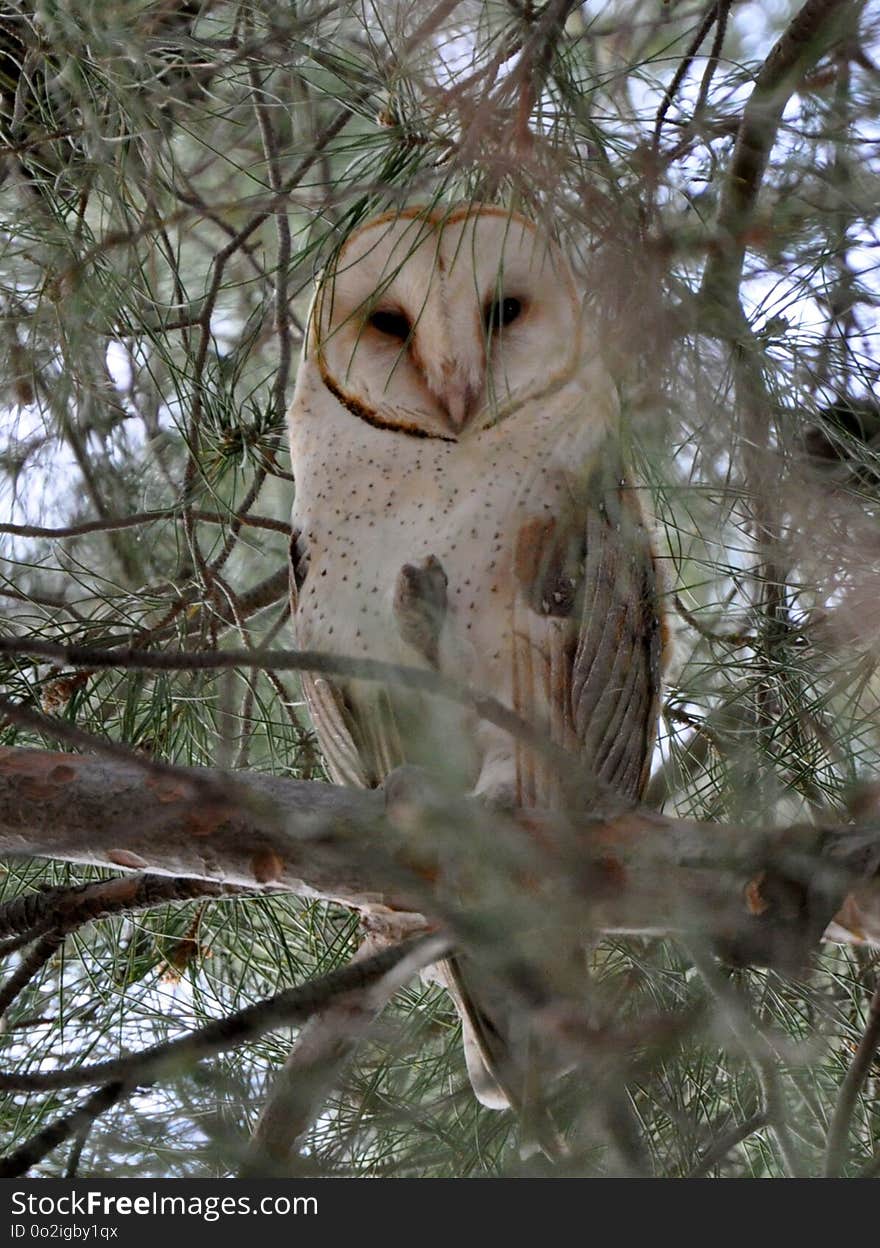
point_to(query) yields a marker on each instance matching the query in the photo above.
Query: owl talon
(420, 605)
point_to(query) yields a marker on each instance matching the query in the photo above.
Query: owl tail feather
(485, 1050)
(492, 1068)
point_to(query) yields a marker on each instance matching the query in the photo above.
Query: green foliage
(171, 178)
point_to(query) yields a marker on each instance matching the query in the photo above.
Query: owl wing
(586, 659)
(588, 636)
(360, 745)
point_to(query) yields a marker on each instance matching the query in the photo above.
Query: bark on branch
(762, 896)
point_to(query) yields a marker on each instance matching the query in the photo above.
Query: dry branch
(66, 908)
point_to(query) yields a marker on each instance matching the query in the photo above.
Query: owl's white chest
(369, 501)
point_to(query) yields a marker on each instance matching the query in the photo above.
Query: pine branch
(30, 1154)
(762, 896)
(836, 1149)
(807, 37)
(65, 909)
(136, 521)
(314, 1065)
(293, 1006)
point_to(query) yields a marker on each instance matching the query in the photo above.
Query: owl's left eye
(501, 312)
(391, 324)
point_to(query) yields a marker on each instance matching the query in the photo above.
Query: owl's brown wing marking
(359, 737)
(588, 637)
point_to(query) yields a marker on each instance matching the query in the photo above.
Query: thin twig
(735, 639)
(759, 1053)
(33, 962)
(799, 47)
(727, 1142)
(40, 1145)
(145, 517)
(423, 679)
(79, 1140)
(277, 202)
(281, 306)
(295, 1005)
(836, 1149)
(721, 15)
(706, 24)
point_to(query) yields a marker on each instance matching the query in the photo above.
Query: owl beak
(460, 402)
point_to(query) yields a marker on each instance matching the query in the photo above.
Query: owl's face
(439, 325)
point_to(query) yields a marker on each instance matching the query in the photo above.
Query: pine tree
(172, 177)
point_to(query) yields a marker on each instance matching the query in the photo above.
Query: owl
(461, 506)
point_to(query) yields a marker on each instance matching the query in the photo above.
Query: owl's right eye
(391, 324)
(501, 313)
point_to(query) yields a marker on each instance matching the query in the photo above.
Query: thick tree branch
(762, 896)
(315, 661)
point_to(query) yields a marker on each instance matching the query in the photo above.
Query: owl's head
(443, 323)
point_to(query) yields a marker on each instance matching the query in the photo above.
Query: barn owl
(460, 505)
